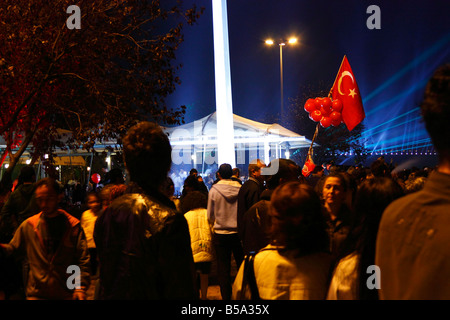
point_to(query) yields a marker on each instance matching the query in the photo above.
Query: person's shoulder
(404, 202)
(195, 214)
(31, 222)
(138, 204)
(349, 262)
(399, 209)
(157, 208)
(262, 204)
(228, 182)
(123, 207)
(87, 214)
(129, 201)
(268, 251)
(70, 218)
(250, 183)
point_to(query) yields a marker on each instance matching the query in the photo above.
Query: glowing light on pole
(281, 45)
(224, 106)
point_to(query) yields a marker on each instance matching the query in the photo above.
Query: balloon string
(310, 151)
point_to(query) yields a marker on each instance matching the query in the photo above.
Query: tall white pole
(224, 106)
(281, 79)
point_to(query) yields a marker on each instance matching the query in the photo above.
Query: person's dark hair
(379, 168)
(115, 176)
(302, 179)
(225, 171)
(350, 184)
(168, 183)
(297, 220)
(372, 197)
(117, 190)
(27, 174)
(147, 154)
(49, 183)
(435, 109)
(317, 169)
(236, 172)
(193, 200)
(192, 183)
(287, 169)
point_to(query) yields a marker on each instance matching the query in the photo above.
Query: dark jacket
(256, 225)
(20, 205)
(338, 230)
(249, 194)
(144, 249)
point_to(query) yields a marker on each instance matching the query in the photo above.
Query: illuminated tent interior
(196, 142)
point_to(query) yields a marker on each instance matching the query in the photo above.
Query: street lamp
(281, 44)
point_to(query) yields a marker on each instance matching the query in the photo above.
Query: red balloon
(325, 110)
(337, 105)
(316, 115)
(325, 122)
(327, 103)
(336, 116)
(335, 123)
(96, 178)
(318, 102)
(310, 106)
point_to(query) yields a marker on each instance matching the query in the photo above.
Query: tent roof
(204, 131)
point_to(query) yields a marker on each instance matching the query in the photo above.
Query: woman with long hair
(349, 279)
(333, 192)
(295, 265)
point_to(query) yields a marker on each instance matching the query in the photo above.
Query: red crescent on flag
(345, 73)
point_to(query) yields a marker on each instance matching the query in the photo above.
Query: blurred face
(47, 200)
(94, 203)
(333, 191)
(257, 173)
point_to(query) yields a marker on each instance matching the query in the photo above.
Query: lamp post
(281, 44)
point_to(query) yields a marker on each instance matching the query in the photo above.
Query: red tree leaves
(96, 81)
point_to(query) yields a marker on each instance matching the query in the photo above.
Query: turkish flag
(346, 89)
(308, 167)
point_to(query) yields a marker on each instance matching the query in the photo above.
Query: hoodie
(222, 206)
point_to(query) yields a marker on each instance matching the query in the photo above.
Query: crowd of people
(340, 233)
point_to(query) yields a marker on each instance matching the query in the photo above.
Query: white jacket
(200, 233)
(344, 282)
(287, 277)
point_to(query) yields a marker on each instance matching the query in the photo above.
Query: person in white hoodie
(222, 215)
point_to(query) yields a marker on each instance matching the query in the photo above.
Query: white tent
(197, 141)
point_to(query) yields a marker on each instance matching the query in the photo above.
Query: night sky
(391, 64)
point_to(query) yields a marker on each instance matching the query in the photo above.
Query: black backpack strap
(249, 277)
